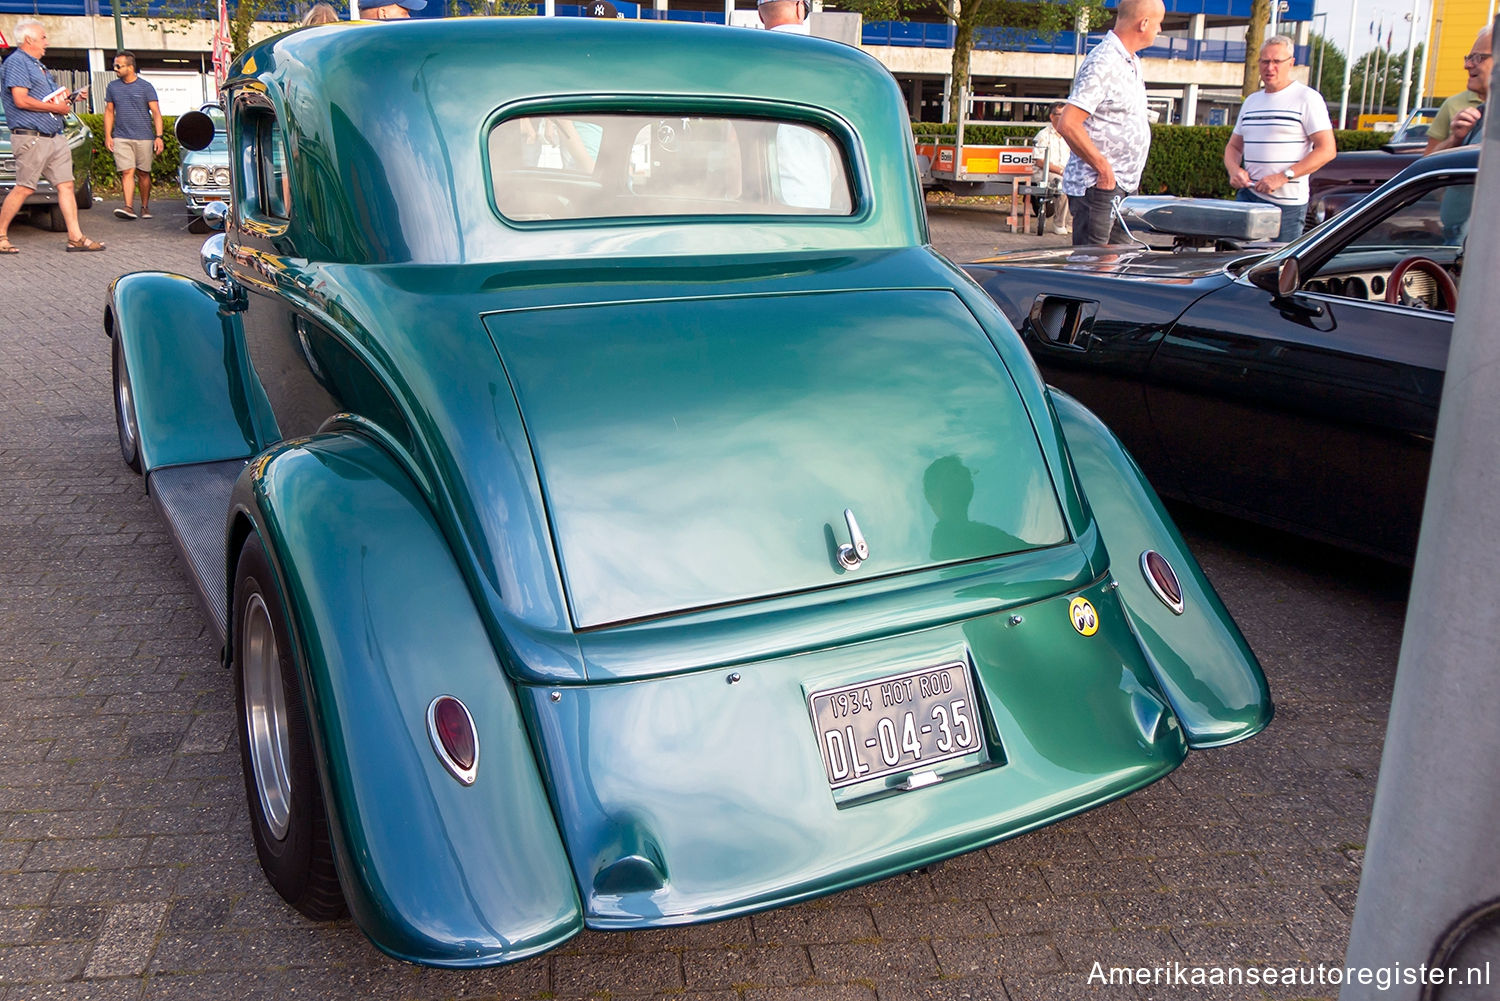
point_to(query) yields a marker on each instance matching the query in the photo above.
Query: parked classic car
(203, 174)
(616, 514)
(1297, 388)
(43, 201)
(1350, 176)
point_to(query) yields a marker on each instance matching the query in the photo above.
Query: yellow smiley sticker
(1085, 619)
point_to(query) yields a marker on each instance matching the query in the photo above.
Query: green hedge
(1185, 160)
(103, 173)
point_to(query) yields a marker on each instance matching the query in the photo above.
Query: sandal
(5, 247)
(84, 244)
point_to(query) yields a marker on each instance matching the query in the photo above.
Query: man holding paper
(34, 110)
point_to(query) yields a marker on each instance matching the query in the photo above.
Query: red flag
(221, 46)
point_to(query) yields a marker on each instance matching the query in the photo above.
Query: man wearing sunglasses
(1456, 118)
(1283, 134)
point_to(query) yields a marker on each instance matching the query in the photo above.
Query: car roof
(404, 109)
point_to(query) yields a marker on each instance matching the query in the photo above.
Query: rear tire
(83, 193)
(126, 424)
(55, 221)
(287, 816)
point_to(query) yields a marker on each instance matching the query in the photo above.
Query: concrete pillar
(947, 111)
(96, 75)
(1190, 105)
(661, 9)
(728, 12)
(1303, 36)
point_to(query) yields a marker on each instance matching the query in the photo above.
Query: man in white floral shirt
(1106, 123)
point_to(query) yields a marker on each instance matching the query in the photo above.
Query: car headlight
(221, 177)
(197, 176)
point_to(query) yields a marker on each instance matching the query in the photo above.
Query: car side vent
(1061, 321)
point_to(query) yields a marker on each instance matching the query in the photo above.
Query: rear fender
(1204, 665)
(182, 353)
(434, 872)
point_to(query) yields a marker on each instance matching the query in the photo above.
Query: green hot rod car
(616, 513)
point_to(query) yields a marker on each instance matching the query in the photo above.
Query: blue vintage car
(203, 174)
(615, 513)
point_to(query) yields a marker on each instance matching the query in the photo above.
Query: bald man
(1106, 125)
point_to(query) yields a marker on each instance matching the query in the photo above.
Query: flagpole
(1348, 65)
(1411, 48)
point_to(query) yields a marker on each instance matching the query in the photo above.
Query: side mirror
(194, 130)
(1281, 278)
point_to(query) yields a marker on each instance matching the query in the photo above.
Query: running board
(194, 502)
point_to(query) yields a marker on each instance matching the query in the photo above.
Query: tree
(1326, 68)
(1255, 36)
(1046, 17)
(1383, 69)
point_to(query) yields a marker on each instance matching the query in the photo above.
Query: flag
(221, 46)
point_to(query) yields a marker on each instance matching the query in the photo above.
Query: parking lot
(127, 869)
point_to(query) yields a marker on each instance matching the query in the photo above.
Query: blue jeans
(1292, 216)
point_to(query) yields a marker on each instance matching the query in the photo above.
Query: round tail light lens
(1163, 580)
(454, 738)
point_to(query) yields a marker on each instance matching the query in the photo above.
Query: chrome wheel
(265, 716)
(125, 419)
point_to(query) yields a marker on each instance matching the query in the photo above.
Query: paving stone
(950, 919)
(1024, 917)
(814, 922)
(1064, 987)
(627, 973)
(757, 967)
(129, 937)
(976, 989)
(874, 962)
(996, 956)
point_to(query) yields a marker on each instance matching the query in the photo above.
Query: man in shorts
(132, 132)
(34, 110)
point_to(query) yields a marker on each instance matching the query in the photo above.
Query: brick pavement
(127, 871)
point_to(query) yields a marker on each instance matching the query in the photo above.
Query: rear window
(610, 166)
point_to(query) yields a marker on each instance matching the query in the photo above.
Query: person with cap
(789, 16)
(388, 10)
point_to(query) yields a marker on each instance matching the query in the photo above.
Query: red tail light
(454, 738)
(1163, 580)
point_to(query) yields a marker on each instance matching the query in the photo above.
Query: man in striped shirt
(1283, 134)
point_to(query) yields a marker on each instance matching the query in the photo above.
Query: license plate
(894, 724)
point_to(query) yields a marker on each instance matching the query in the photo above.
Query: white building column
(728, 12)
(1190, 105)
(947, 111)
(661, 9)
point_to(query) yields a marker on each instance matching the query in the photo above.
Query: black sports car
(1297, 387)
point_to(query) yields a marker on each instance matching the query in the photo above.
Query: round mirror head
(195, 130)
(211, 255)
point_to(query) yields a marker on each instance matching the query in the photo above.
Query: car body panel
(642, 531)
(174, 334)
(1198, 655)
(1092, 726)
(435, 871)
(480, 403)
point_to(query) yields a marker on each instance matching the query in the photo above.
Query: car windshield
(605, 166)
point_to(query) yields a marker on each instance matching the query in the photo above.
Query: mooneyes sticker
(1085, 619)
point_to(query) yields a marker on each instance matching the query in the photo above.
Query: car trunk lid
(700, 452)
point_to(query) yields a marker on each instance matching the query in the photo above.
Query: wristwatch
(1290, 174)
